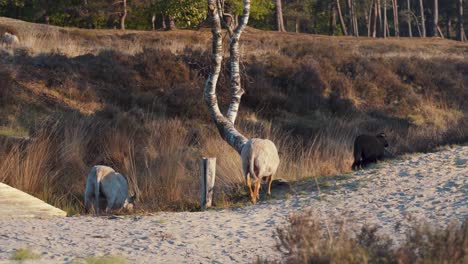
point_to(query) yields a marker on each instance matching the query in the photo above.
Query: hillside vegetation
(133, 100)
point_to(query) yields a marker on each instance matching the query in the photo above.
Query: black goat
(367, 149)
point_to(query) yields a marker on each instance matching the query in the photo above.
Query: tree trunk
(225, 126)
(349, 4)
(376, 15)
(423, 19)
(153, 22)
(169, 23)
(410, 30)
(460, 29)
(388, 30)
(440, 33)
(369, 19)
(381, 24)
(449, 26)
(435, 19)
(124, 15)
(396, 23)
(352, 18)
(342, 22)
(332, 24)
(279, 16)
(298, 25)
(385, 18)
(368, 24)
(355, 20)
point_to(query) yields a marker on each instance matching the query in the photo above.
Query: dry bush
(306, 240)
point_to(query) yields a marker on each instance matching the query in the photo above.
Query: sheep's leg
(88, 200)
(110, 205)
(111, 201)
(270, 180)
(257, 189)
(249, 184)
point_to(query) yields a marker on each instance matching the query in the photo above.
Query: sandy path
(431, 187)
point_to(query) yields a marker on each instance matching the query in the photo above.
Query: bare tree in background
(342, 22)
(460, 30)
(385, 19)
(279, 16)
(376, 16)
(369, 18)
(169, 23)
(396, 23)
(435, 19)
(381, 24)
(355, 20)
(225, 124)
(124, 15)
(423, 19)
(408, 17)
(332, 23)
(352, 18)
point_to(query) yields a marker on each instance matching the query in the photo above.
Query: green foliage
(259, 9)
(308, 16)
(187, 13)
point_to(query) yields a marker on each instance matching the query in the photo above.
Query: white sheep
(104, 182)
(260, 161)
(9, 39)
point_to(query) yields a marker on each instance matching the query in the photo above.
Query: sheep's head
(129, 203)
(382, 139)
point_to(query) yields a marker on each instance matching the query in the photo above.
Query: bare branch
(236, 89)
(220, 4)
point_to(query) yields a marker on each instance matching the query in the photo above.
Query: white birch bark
(423, 19)
(236, 89)
(225, 127)
(124, 15)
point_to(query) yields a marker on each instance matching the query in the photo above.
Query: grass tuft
(24, 254)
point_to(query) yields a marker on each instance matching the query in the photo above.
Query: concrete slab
(17, 204)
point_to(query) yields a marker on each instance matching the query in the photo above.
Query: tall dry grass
(160, 157)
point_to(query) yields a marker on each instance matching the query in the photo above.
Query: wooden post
(208, 174)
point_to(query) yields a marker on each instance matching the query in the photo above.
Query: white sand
(430, 187)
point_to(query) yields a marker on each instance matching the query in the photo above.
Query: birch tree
(460, 31)
(423, 19)
(354, 19)
(385, 19)
(408, 17)
(396, 24)
(342, 22)
(225, 124)
(332, 22)
(435, 19)
(124, 14)
(279, 16)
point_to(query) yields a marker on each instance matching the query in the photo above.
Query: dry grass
(24, 254)
(132, 100)
(306, 240)
(159, 156)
